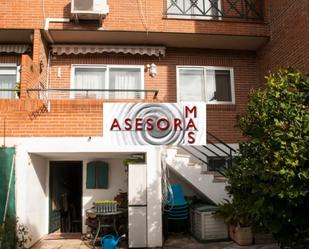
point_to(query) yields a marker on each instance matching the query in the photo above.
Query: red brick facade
(84, 118)
(289, 43)
(124, 15)
(27, 116)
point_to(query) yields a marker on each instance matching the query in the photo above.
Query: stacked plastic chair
(177, 210)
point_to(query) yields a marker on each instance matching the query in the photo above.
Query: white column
(154, 198)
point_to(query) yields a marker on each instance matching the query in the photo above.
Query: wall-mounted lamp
(152, 68)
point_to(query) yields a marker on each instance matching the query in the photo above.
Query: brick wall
(84, 117)
(10, 58)
(29, 76)
(289, 43)
(67, 118)
(28, 117)
(128, 15)
(288, 22)
(40, 57)
(165, 81)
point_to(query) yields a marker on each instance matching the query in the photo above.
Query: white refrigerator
(137, 205)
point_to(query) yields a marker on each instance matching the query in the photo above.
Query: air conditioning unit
(89, 9)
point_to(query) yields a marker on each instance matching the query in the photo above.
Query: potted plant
(238, 222)
(136, 158)
(262, 236)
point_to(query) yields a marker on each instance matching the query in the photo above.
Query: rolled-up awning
(14, 48)
(93, 49)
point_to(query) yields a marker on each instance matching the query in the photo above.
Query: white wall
(154, 198)
(187, 189)
(117, 180)
(31, 193)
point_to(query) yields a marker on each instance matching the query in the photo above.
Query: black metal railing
(64, 93)
(218, 149)
(11, 93)
(248, 10)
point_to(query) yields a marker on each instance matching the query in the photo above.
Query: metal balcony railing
(218, 149)
(9, 93)
(246, 10)
(64, 93)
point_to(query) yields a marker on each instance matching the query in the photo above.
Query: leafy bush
(271, 174)
(233, 214)
(22, 235)
(8, 235)
(14, 234)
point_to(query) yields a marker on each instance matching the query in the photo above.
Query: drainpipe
(55, 20)
(48, 68)
(47, 80)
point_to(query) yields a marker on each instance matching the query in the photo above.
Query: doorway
(65, 196)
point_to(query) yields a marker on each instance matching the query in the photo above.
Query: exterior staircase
(203, 167)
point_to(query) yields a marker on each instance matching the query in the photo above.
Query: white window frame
(17, 72)
(205, 68)
(107, 67)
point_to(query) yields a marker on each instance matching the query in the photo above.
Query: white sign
(155, 123)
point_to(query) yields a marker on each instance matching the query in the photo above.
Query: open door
(65, 192)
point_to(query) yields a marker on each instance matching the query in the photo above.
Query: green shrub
(233, 214)
(8, 235)
(14, 234)
(271, 174)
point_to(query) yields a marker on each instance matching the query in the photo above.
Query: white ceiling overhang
(14, 48)
(154, 39)
(94, 49)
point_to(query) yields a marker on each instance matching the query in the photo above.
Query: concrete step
(206, 172)
(219, 179)
(196, 174)
(182, 155)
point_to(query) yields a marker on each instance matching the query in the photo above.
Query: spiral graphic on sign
(161, 116)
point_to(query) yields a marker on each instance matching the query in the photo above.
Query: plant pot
(242, 235)
(231, 231)
(263, 238)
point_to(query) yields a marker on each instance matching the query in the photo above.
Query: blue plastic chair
(178, 196)
(182, 207)
(172, 215)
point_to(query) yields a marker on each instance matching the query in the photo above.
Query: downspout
(48, 68)
(55, 20)
(47, 81)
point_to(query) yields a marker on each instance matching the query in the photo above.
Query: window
(217, 164)
(89, 78)
(110, 77)
(191, 84)
(8, 79)
(214, 85)
(97, 175)
(125, 78)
